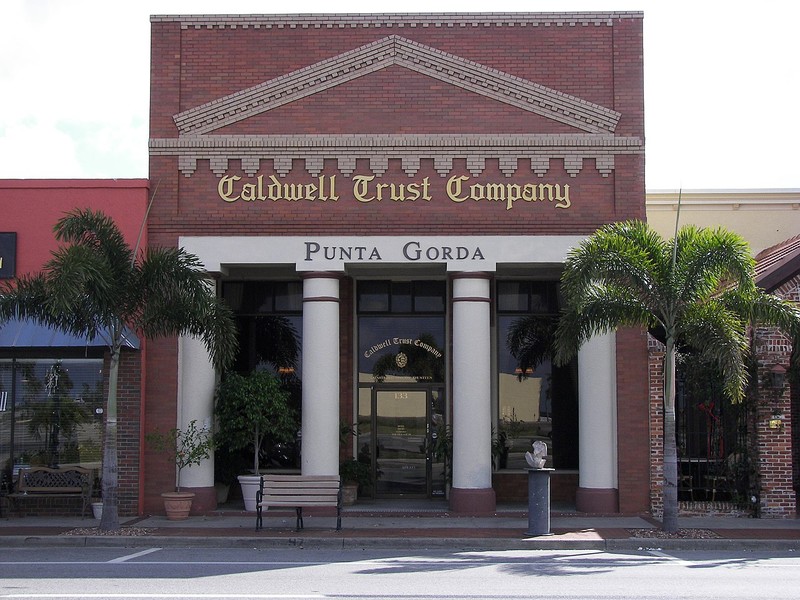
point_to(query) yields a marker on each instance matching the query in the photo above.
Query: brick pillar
(656, 403)
(773, 427)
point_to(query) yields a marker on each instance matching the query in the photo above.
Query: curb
(411, 543)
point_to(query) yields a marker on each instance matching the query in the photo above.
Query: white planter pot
(97, 510)
(250, 485)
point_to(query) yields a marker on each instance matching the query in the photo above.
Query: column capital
(472, 275)
(321, 275)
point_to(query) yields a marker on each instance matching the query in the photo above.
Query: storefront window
(536, 401)
(270, 325)
(51, 412)
(405, 342)
(269, 321)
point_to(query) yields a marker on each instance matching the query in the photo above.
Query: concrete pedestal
(539, 501)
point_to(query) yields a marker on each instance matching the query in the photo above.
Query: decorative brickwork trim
(399, 21)
(512, 151)
(396, 50)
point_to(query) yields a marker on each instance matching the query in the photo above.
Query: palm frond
(627, 255)
(602, 310)
(719, 334)
(708, 259)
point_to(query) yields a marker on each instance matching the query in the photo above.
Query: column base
(597, 500)
(205, 499)
(473, 501)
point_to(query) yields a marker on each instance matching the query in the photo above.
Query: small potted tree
(186, 447)
(251, 409)
(355, 473)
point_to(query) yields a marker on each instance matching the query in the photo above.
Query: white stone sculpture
(539, 456)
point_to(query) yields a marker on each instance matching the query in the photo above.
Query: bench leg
(299, 511)
(259, 521)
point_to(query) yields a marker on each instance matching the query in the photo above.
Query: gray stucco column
(320, 429)
(472, 490)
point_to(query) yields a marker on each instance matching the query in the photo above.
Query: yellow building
(764, 217)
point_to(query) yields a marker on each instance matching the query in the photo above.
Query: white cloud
(720, 84)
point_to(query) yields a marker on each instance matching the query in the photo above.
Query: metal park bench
(298, 491)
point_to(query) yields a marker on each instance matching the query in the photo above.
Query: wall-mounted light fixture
(776, 421)
(777, 376)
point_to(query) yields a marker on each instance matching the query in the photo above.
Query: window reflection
(51, 412)
(536, 400)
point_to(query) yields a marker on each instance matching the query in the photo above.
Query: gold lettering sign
(368, 189)
(364, 190)
(323, 190)
(458, 190)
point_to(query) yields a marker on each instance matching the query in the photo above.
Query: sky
(721, 83)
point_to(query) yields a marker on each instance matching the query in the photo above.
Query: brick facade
(501, 99)
(32, 208)
(770, 423)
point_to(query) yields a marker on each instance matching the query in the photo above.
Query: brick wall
(395, 122)
(656, 412)
(773, 443)
(129, 430)
(771, 446)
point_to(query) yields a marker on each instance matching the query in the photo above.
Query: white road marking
(122, 559)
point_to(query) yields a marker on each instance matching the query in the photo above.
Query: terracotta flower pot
(349, 493)
(177, 505)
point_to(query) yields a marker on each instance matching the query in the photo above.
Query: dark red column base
(473, 501)
(597, 500)
(205, 499)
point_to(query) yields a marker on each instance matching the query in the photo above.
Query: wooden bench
(54, 483)
(298, 491)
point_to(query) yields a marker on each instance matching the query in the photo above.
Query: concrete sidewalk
(396, 526)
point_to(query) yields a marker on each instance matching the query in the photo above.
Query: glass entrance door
(405, 424)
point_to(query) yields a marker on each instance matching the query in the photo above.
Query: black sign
(8, 255)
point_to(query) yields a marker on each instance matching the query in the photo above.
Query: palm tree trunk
(110, 518)
(670, 518)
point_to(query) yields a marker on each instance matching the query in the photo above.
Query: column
(472, 424)
(196, 384)
(320, 429)
(597, 392)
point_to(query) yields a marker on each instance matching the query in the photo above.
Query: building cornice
(722, 199)
(512, 151)
(397, 20)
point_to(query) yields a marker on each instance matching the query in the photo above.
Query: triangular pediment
(395, 50)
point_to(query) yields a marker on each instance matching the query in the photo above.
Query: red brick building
(32, 355)
(402, 189)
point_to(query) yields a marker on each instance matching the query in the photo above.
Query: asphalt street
(117, 573)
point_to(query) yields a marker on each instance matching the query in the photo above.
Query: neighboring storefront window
(536, 401)
(51, 412)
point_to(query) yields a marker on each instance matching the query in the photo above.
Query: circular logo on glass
(401, 360)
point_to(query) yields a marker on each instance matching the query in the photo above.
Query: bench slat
(309, 489)
(299, 500)
(300, 478)
(50, 490)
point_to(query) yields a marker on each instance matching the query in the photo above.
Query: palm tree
(698, 289)
(96, 285)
